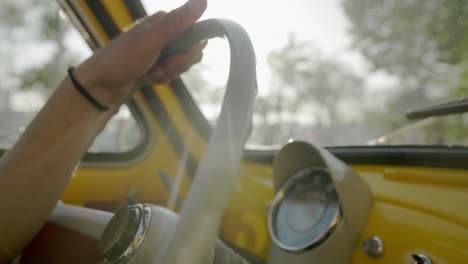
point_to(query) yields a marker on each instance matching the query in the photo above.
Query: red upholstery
(55, 244)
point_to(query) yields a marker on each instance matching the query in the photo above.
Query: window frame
(107, 158)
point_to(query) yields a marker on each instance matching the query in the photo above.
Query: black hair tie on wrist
(85, 93)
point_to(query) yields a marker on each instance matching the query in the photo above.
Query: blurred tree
(203, 91)
(413, 39)
(422, 42)
(35, 51)
(309, 89)
(306, 91)
(208, 96)
(26, 24)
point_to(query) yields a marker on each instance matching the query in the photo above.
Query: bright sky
(269, 23)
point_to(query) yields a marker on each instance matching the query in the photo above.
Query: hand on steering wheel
(112, 73)
(193, 238)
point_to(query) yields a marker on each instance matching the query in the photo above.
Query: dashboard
(320, 207)
(305, 211)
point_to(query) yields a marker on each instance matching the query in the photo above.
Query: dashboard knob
(124, 234)
(373, 247)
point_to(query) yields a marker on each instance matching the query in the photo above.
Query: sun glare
(269, 23)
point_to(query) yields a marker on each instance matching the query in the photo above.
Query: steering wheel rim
(197, 227)
(201, 214)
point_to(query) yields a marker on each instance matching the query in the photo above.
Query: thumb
(180, 19)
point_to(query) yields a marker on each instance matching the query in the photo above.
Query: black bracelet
(85, 93)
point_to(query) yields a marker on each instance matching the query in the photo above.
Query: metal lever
(421, 259)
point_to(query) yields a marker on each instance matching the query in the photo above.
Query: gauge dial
(305, 210)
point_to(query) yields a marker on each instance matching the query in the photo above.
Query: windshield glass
(343, 72)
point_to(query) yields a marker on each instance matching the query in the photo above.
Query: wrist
(89, 81)
(84, 92)
(106, 93)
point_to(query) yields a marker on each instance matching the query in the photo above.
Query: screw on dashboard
(373, 247)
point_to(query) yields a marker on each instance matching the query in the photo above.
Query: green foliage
(303, 78)
(306, 89)
(410, 38)
(33, 23)
(451, 31)
(424, 43)
(393, 34)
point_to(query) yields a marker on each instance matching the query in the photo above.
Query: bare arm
(35, 172)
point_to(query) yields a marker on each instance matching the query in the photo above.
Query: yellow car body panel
(416, 209)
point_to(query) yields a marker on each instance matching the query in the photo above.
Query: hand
(112, 73)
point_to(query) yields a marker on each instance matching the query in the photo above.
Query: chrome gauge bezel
(333, 206)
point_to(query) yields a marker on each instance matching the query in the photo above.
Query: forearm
(34, 173)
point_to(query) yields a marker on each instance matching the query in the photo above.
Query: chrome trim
(67, 7)
(373, 247)
(281, 194)
(131, 237)
(421, 259)
(401, 132)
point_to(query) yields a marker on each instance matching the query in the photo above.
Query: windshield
(344, 72)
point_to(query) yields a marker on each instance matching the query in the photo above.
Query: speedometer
(305, 210)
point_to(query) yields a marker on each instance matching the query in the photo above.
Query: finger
(157, 75)
(161, 74)
(178, 59)
(185, 58)
(180, 19)
(174, 65)
(178, 69)
(153, 20)
(146, 23)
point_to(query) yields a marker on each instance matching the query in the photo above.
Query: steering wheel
(151, 234)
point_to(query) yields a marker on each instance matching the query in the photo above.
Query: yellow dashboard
(416, 209)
